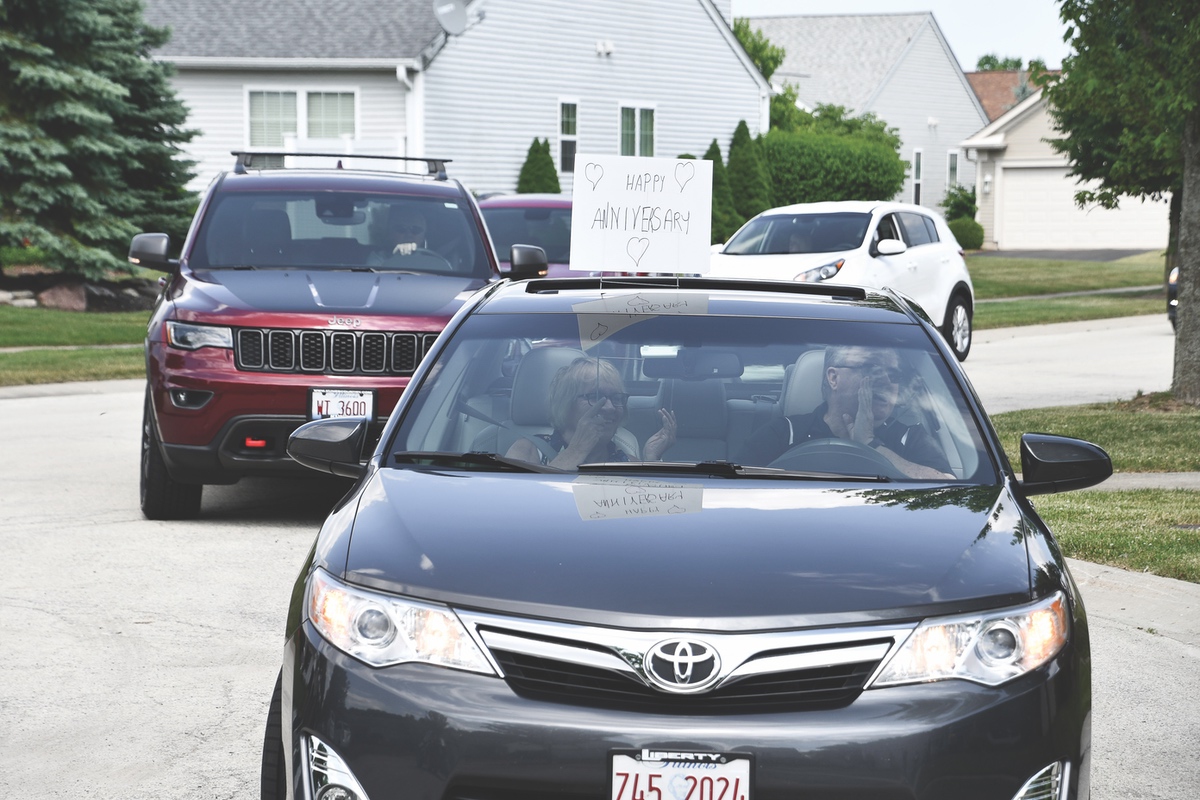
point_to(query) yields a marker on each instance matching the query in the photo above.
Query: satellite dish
(451, 15)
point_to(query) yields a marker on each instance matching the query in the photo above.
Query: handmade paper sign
(631, 214)
(599, 497)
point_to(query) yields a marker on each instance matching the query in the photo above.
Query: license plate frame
(341, 404)
(652, 774)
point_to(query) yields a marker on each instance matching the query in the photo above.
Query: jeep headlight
(187, 336)
(985, 648)
(821, 273)
(382, 630)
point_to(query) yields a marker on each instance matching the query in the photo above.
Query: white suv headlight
(192, 337)
(985, 648)
(821, 273)
(381, 629)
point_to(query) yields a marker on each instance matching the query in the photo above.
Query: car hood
(327, 291)
(774, 266)
(712, 553)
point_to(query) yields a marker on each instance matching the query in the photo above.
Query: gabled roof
(992, 137)
(294, 29)
(997, 90)
(839, 59)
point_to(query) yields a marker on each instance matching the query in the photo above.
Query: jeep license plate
(671, 775)
(341, 404)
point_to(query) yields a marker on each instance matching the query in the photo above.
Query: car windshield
(330, 230)
(746, 391)
(800, 233)
(547, 228)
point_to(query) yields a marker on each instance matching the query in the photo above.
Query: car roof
(846, 206)
(532, 200)
(713, 295)
(339, 179)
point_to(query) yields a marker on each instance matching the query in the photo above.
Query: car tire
(957, 326)
(163, 497)
(274, 766)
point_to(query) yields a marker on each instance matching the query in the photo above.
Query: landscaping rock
(65, 297)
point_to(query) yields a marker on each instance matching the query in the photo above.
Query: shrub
(538, 173)
(809, 167)
(968, 232)
(959, 202)
(749, 177)
(725, 218)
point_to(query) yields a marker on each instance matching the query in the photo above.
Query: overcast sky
(1025, 28)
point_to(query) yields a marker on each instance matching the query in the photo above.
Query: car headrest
(699, 407)
(802, 389)
(531, 383)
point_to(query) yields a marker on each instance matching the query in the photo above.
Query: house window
(637, 131)
(272, 116)
(917, 177)
(330, 115)
(952, 169)
(567, 131)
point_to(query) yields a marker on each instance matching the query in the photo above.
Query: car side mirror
(526, 261)
(150, 250)
(1060, 464)
(330, 445)
(890, 247)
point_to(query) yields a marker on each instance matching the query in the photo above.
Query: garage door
(1038, 211)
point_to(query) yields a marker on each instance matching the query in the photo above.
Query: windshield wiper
(473, 459)
(725, 469)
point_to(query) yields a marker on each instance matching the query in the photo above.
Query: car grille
(331, 352)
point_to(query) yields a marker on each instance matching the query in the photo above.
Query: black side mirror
(330, 445)
(1060, 464)
(526, 261)
(150, 250)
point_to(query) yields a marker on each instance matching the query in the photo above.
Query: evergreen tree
(725, 219)
(749, 179)
(538, 173)
(89, 133)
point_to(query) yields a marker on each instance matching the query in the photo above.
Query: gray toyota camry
(685, 539)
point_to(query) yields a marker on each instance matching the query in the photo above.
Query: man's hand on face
(861, 427)
(405, 248)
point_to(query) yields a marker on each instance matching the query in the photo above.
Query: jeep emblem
(345, 322)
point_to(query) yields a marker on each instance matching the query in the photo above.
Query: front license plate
(672, 775)
(341, 404)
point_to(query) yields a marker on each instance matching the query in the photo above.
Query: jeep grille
(331, 352)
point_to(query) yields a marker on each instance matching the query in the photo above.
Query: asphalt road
(138, 656)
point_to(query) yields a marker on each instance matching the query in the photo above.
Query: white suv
(903, 247)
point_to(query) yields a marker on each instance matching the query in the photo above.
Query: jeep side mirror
(526, 261)
(330, 445)
(150, 250)
(1060, 464)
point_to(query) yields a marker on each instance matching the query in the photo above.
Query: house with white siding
(384, 77)
(896, 66)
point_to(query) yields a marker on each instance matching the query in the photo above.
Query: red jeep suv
(299, 294)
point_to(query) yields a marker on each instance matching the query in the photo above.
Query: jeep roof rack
(245, 159)
(538, 285)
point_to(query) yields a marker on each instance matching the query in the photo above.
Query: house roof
(839, 59)
(997, 90)
(992, 137)
(294, 29)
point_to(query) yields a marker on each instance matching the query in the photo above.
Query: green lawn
(1038, 311)
(25, 327)
(995, 277)
(64, 366)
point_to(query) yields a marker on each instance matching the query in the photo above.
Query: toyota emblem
(682, 666)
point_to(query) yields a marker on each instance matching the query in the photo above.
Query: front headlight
(821, 273)
(988, 648)
(192, 337)
(382, 630)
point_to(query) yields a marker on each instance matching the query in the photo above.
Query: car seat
(701, 419)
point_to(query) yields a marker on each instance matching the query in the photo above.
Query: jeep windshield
(332, 230)
(739, 397)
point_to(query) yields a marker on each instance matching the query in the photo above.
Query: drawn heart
(683, 173)
(599, 331)
(676, 510)
(636, 248)
(593, 172)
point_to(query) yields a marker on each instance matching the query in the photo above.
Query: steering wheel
(836, 455)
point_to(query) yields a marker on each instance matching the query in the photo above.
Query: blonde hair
(571, 381)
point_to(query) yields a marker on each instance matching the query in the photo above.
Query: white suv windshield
(752, 391)
(800, 233)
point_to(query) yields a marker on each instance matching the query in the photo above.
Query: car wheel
(957, 326)
(274, 766)
(163, 497)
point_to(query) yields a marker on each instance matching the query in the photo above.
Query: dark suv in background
(299, 294)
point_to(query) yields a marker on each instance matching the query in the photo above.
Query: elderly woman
(587, 406)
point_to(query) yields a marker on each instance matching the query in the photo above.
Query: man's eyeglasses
(893, 374)
(618, 399)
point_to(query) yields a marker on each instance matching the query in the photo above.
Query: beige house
(1026, 198)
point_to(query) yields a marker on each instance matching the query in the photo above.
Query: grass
(996, 278)
(63, 366)
(1148, 530)
(26, 327)
(1041, 311)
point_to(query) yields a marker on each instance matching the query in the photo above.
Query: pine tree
(725, 218)
(538, 173)
(749, 179)
(89, 133)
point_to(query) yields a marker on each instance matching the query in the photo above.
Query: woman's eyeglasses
(618, 399)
